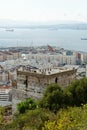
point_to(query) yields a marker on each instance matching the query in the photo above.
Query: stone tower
(33, 83)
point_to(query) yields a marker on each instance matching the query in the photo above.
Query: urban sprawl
(26, 71)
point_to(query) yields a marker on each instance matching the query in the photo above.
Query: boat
(83, 38)
(10, 30)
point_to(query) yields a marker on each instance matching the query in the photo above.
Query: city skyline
(43, 10)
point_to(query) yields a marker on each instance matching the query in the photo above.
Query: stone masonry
(33, 84)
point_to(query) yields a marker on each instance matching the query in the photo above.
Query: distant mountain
(48, 25)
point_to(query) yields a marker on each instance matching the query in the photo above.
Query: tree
(78, 90)
(53, 98)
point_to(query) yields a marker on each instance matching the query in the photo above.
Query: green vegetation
(2, 122)
(28, 104)
(53, 98)
(78, 92)
(73, 118)
(74, 95)
(59, 109)
(30, 120)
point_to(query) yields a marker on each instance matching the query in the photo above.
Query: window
(56, 80)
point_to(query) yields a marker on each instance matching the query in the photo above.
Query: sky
(44, 10)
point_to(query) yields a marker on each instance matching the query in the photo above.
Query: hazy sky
(43, 10)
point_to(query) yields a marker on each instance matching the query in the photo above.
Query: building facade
(5, 93)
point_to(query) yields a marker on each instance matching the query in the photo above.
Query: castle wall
(33, 84)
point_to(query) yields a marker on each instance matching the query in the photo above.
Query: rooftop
(47, 71)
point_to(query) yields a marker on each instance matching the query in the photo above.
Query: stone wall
(33, 84)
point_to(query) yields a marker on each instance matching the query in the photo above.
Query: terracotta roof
(5, 87)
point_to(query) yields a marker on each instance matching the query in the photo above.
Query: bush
(73, 118)
(28, 104)
(31, 120)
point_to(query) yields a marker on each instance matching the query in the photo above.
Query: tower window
(56, 80)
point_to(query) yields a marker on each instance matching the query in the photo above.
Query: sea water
(64, 38)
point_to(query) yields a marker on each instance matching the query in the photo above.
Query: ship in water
(10, 30)
(83, 38)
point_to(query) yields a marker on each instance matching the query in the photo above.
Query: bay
(64, 38)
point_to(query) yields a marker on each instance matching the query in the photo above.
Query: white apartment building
(5, 93)
(57, 58)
